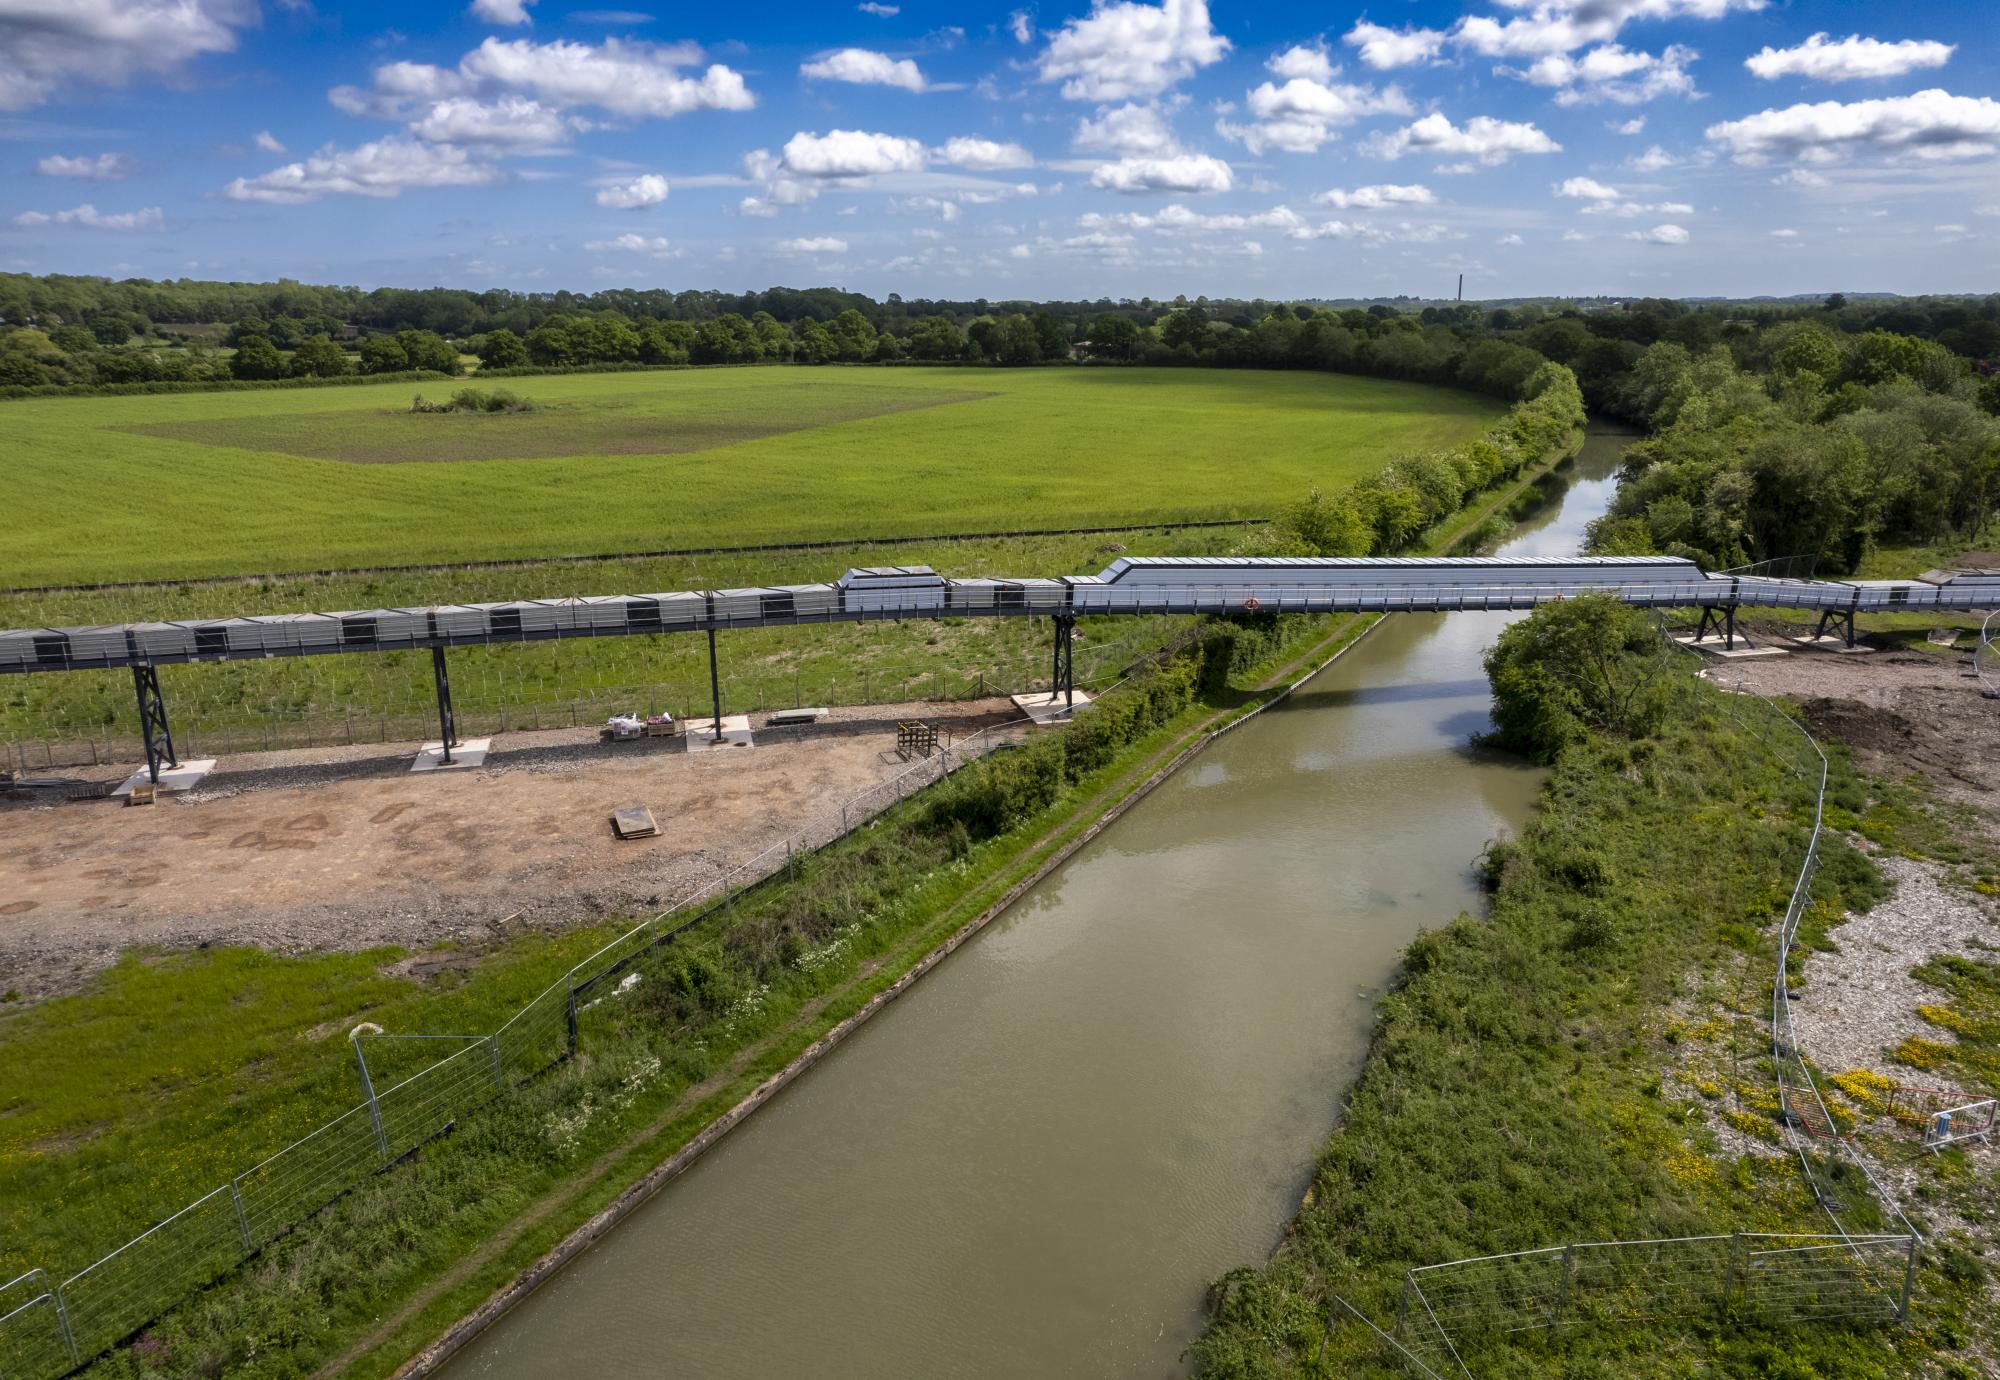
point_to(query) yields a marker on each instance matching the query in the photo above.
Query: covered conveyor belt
(1131, 586)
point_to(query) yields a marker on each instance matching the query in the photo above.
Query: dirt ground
(1898, 710)
(346, 848)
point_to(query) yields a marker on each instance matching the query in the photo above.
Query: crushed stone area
(345, 848)
(1860, 1003)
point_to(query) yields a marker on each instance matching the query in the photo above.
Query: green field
(164, 486)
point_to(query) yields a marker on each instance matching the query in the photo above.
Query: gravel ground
(344, 847)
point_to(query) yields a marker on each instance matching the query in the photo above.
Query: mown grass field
(170, 486)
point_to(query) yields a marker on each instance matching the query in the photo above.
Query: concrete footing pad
(700, 733)
(1719, 647)
(184, 777)
(1050, 708)
(470, 752)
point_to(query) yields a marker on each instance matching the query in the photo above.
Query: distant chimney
(1461, 287)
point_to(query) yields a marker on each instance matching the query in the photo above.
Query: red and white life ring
(1251, 605)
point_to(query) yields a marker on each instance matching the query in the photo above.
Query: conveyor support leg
(714, 685)
(153, 720)
(1062, 672)
(447, 716)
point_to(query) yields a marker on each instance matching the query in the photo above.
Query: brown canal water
(1034, 1162)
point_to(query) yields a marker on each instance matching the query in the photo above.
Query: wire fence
(1448, 1310)
(48, 1328)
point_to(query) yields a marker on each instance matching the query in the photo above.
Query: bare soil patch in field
(345, 848)
(614, 426)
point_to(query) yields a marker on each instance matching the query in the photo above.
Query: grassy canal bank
(1590, 1061)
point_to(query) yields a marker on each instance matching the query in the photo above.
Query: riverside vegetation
(714, 1014)
(1512, 1098)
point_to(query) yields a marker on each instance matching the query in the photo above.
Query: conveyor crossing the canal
(1129, 586)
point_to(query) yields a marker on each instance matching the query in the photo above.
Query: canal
(1035, 1161)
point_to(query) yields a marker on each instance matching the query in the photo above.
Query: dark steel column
(153, 725)
(714, 685)
(1062, 672)
(447, 718)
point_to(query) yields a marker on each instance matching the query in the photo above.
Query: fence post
(569, 1014)
(368, 1087)
(1403, 1308)
(1909, 1278)
(1733, 1276)
(62, 1322)
(242, 1218)
(499, 1074)
(1568, 1268)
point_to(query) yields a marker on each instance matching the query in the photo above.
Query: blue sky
(1671, 147)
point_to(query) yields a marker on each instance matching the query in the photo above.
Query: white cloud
(653, 246)
(50, 45)
(1928, 126)
(506, 12)
(1301, 60)
(1800, 177)
(865, 68)
(851, 153)
(1181, 219)
(1183, 172)
(511, 121)
(1020, 251)
(984, 155)
(1627, 210)
(1784, 234)
(1377, 196)
(1587, 189)
(639, 79)
(384, 168)
(1021, 24)
(90, 218)
(1562, 26)
(1574, 237)
(880, 11)
(1302, 114)
(104, 167)
(1123, 48)
(1635, 125)
(1483, 139)
(925, 205)
(268, 142)
(1654, 159)
(1612, 73)
(756, 206)
(1661, 234)
(647, 189)
(812, 244)
(1850, 59)
(1135, 131)
(1383, 48)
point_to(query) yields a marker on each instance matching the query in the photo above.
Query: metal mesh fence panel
(1861, 1278)
(141, 1279)
(34, 1335)
(308, 1174)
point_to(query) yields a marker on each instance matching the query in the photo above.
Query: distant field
(176, 485)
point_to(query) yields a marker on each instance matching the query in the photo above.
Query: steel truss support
(1722, 620)
(153, 721)
(1062, 668)
(447, 716)
(1846, 618)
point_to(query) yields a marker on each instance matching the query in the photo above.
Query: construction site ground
(346, 848)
